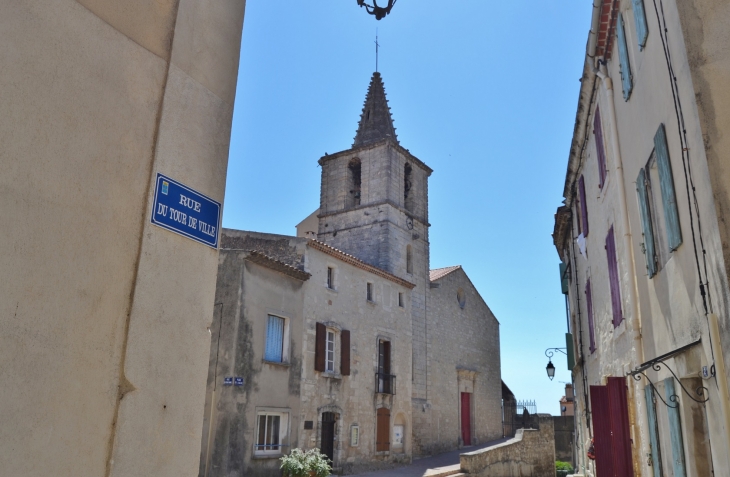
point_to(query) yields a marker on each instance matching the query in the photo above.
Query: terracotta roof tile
(439, 273)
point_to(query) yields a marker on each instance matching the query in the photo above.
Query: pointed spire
(376, 123)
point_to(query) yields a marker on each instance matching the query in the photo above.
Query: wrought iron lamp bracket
(550, 352)
(656, 364)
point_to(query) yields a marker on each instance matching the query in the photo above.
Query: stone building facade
(642, 238)
(104, 327)
(385, 359)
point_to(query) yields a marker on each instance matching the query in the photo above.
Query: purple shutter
(589, 305)
(602, 442)
(600, 152)
(583, 206)
(618, 404)
(613, 278)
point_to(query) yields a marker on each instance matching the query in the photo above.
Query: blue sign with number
(182, 210)
(239, 381)
(228, 381)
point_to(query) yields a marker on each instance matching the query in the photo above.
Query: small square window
(370, 292)
(401, 302)
(271, 429)
(330, 278)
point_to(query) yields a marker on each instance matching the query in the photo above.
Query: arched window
(409, 259)
(355, 181)
(407, 186)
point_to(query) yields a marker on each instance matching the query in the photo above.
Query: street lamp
(550, 368)
(374, 9)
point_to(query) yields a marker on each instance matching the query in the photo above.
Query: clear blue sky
(484, 92)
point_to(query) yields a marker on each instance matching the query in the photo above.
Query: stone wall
(564, 426)
(463, 356)
(531, 453)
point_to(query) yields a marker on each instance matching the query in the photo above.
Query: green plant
(562, 469)
(301, 463)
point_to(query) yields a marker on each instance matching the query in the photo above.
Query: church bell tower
(374, 205)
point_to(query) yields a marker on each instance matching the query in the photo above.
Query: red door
(465, 419)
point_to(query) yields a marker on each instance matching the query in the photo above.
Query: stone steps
(448, 471)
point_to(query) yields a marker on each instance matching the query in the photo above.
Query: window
(583, 217)
(385, 382)
(370, 291)
(409, 259)
(326, 350)
(642, 31)
(589, 311)
(271, 429)
(275, 340)
(407, 186)
(600, 151)
(613, 278)
(401, 302)
(623, 55)
(461, 298)
(330, 278)
(355, 169)
(330, 362)
(655, 181)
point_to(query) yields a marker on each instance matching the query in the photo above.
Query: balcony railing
(384, 383)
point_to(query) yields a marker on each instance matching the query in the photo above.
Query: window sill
(267, 456)
(331, 375)
(277, 364)
(331, 290)
(371, 303)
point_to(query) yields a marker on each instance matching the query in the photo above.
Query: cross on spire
(377, 45)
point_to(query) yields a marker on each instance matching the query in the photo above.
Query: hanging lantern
(374, 9)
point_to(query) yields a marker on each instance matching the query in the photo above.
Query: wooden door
(466, 419)
(382, 434)
(328, 435)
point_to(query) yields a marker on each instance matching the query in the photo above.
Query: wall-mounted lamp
(550, 368)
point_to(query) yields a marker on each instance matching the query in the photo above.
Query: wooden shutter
(646, 224)
(675, 429)
(320, 347)
(600, 415)
(618, 402)
(345, 352)
(613, 278)
(666, 182)
(386, 357)
(642, 30)
(583, 205)
(600, 151)
(589, 306)
(623, 54)
(382, 439)
(656, 458)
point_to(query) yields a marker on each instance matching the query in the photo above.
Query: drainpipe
(628, 246)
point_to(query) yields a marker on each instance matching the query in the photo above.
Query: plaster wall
(671, 311)
(246, 294)
(353, 398)
(97, 303)
(463, 357)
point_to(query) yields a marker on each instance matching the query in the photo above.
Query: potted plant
(311, 463)
(563, 469)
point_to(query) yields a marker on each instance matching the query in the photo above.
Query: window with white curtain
(276, 351)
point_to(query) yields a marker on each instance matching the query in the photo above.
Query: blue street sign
(239, 381)
(182, 210)
(228, 381)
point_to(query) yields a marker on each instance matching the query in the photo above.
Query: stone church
(342, 337)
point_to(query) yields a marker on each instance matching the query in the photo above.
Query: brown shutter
(320, 347)
(382, 442)
(386, 357)
(345, 353)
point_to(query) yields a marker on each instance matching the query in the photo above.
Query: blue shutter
(274, 339)
(623, 54)
(666, 182)
(675, 429)
(646, 225)
(656, 458)
(642, 31)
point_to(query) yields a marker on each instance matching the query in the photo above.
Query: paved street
(438, 465)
